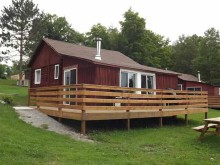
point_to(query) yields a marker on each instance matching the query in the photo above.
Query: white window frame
(35, 76)
(56, 69)
(181, 86)
(138, 77)
(219, 91)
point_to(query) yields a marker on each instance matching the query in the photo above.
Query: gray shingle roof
(109, 57)
(188, 77)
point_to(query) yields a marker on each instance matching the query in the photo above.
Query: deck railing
(214, 101)
(99, 98)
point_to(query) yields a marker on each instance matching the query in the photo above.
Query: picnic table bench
(209, 123)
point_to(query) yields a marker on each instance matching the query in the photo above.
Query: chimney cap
(98, 39)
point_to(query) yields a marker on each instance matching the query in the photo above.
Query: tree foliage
(142, 45)
(109, 37)
(208, 61)
(16, 22)
(185, 50)
(53, 27)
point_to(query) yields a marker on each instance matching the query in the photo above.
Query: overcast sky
(169, 18)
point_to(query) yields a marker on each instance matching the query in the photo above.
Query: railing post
(59, 104)
(187, 106)
(161, 117)
(128, 115)
(37, 99)
(83, 117)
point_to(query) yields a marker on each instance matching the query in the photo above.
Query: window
(194, 88)
(180, 87)
(147, 82)
(218, 91)
(56, 71)
(37, 77)
(128, 79)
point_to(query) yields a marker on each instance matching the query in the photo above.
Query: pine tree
(15, 23)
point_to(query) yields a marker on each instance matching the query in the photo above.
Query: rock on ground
(41, 120)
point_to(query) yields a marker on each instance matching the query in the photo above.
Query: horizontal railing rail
(214, 101)
(99, 97)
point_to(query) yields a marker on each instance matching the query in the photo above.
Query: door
(70, 78)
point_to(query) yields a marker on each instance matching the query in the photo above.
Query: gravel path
(39, 119)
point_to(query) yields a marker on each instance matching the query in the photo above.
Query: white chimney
(98, 55)
(199, 77)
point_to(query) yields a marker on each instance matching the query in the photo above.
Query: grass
(9, 88)
(21, 143)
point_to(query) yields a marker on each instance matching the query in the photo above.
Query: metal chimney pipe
(98, 47)
(199, 76)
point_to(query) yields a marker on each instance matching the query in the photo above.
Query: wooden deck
(86, 102)
(214, 101)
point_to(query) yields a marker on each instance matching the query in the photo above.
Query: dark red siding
(107, 75)
(164, 81)
(85, 69)
(205, 87)
(46, 59)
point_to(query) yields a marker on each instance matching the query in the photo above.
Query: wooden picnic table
(215, 122)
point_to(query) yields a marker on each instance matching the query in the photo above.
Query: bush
(8, 100)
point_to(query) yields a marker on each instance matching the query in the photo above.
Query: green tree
(184, 51)
(4, 71)
(53, 27)
(208, 61)
(15, 22)
(132, 35)
(97, 31)
(142, 45)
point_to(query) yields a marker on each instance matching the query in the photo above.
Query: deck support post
(161, 119)
(206, 115)
(186, 119)
(161, 122)
(83, 123)
(128, 120)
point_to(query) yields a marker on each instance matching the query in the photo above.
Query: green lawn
(9, 88)
(21, 143)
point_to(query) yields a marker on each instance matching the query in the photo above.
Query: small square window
(37, 77)
(56, 71)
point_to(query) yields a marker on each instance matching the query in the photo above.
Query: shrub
(8, 100)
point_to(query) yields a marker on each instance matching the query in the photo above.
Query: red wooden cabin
(61, 63)
(190, 82)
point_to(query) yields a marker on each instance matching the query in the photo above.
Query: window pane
(143, 81)
(198, 89)
(73, 76)
(150, 82)
(67, 78)
(131, 80)
(124, 79)
(190, 89)
(56, 71)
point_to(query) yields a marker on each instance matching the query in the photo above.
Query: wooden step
(201, 127)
